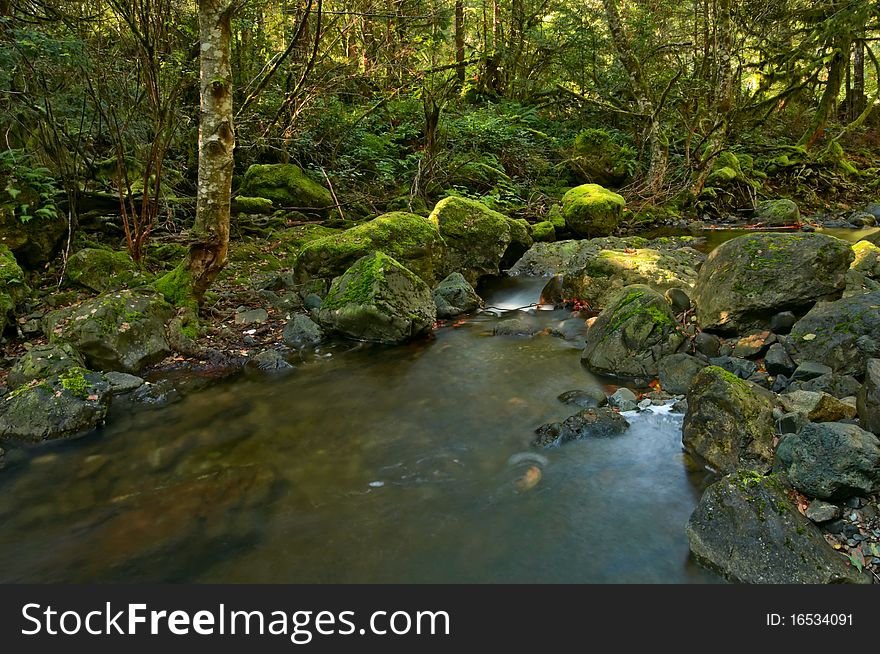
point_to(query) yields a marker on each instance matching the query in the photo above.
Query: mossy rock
(122, 331)
(592, 210)
(544, 232)
(43, 361)
(480, 242)
(251, 206)
(413, 240)
(12, 277)
(380, 301)
(726, 169)
(555, 217)
(632, 335)
(728, 423)
(35, 242)
(61, 406)
(747, 279)
(409, 203)
(600, 159)
(287, 186)
(100, 270)
(778, 213)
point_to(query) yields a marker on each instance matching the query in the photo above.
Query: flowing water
(366, 464)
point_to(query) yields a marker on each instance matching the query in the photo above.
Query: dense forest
(216, 194)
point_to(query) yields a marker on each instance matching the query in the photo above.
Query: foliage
(28, 191)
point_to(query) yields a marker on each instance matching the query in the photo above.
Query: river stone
(753, 344)
(830, 460)
(623, 399)
(777, 361)
(43, 361)
(742, 368)
(632, 335)
(480, 242)
(842, 335)
(301, 331)
(516, 327)
(454, 296)
(778, 213)
(817, 407)
(678, 299)
(410, 239)
(746, 528)
(749, 278)
(779, 384)
(707, 344)
(592, 210)
(820, 511)
(588, 399)
(65, 405)
(840, 386)
(728, 424)
(380, 301)
(590, 423)
(121, 382)
(677, 372)
(268, 361)
(868, 402)
(251, 317)
(808, 370)
(123, 331)
(782, 322)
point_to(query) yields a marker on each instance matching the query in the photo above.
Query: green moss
(176, 287)
(251, 206)
(555, 217)
(356, 286)
(74, 381)
(601, 158)
(592, 210)
(286, 185)
(544, 232)
(12, 276)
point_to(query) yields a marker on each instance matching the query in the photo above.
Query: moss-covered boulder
(380, 301)
(480, 242)
(544, 232)
(728, 423)
(64, 405)
(454, 296)
(592, 210)
(13, 288)
(830, 460)
(413, 240)
(43, 361)
(632, 335)
(842, 334)
(778, 213)
(747, 528)
(725, 170)
(123, 331)
(251, 206)
(99, 270)
(747, 279)
(35, 242)
(600, 159)
(287, 186)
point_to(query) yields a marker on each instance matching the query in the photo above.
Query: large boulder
(677, 372)
(632, 335)
(410, 239)
(842, 335)
(454, 296)
(99, 270)
(729, 424)
(592, 210)
(64, 405)
(816, 406)
(480, 242)
(830, 460)
(380, 301)
(778, 213)
(287, 186)
(123, 331)
(748, 279)
(746, 528)
(868, 401)
(43, 361)
(600, 159)
(35, 242)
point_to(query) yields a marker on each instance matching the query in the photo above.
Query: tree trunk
(836, 68)
(210, 236)
(459, 41)
(858, 86)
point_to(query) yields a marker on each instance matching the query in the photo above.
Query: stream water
(365, 464)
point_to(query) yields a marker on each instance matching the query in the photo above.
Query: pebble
(819, 511)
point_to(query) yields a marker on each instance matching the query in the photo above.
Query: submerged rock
(590, 423)
(728, 424)
(454, 296)
(69, 404)
(43, 361)
(632, 335)
(830, 460)
(746, 528)
(589, 399)
(592, 210)
(380, 301)
(748, 279)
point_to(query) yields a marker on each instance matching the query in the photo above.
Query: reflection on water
(709, 239)
(373, 465)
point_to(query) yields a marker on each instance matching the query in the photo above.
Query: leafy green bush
(27, 191)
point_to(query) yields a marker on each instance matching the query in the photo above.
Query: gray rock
(623, 399)
(862, 219)
(588, 399)
(820, 511)
(516, 327)
(742, 368)
(251, 317)
(782, 322)
(792, 423)
(753, 344)
(778, 213)
(808, 370)
(817, 407)
(746, 528)
(632, 335)
(43, 361)
(728, 423)
(454, 296)
(868, 403)
(301, 331)
(748, 279)
(312, 301)
(779, 384)
(830, 460)
(65, 405)
(777, 361)
(708, 344)
(840, 386)
(679, 299)
(121, 382)
(589, 423)
(268, 361)
(677, 372)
